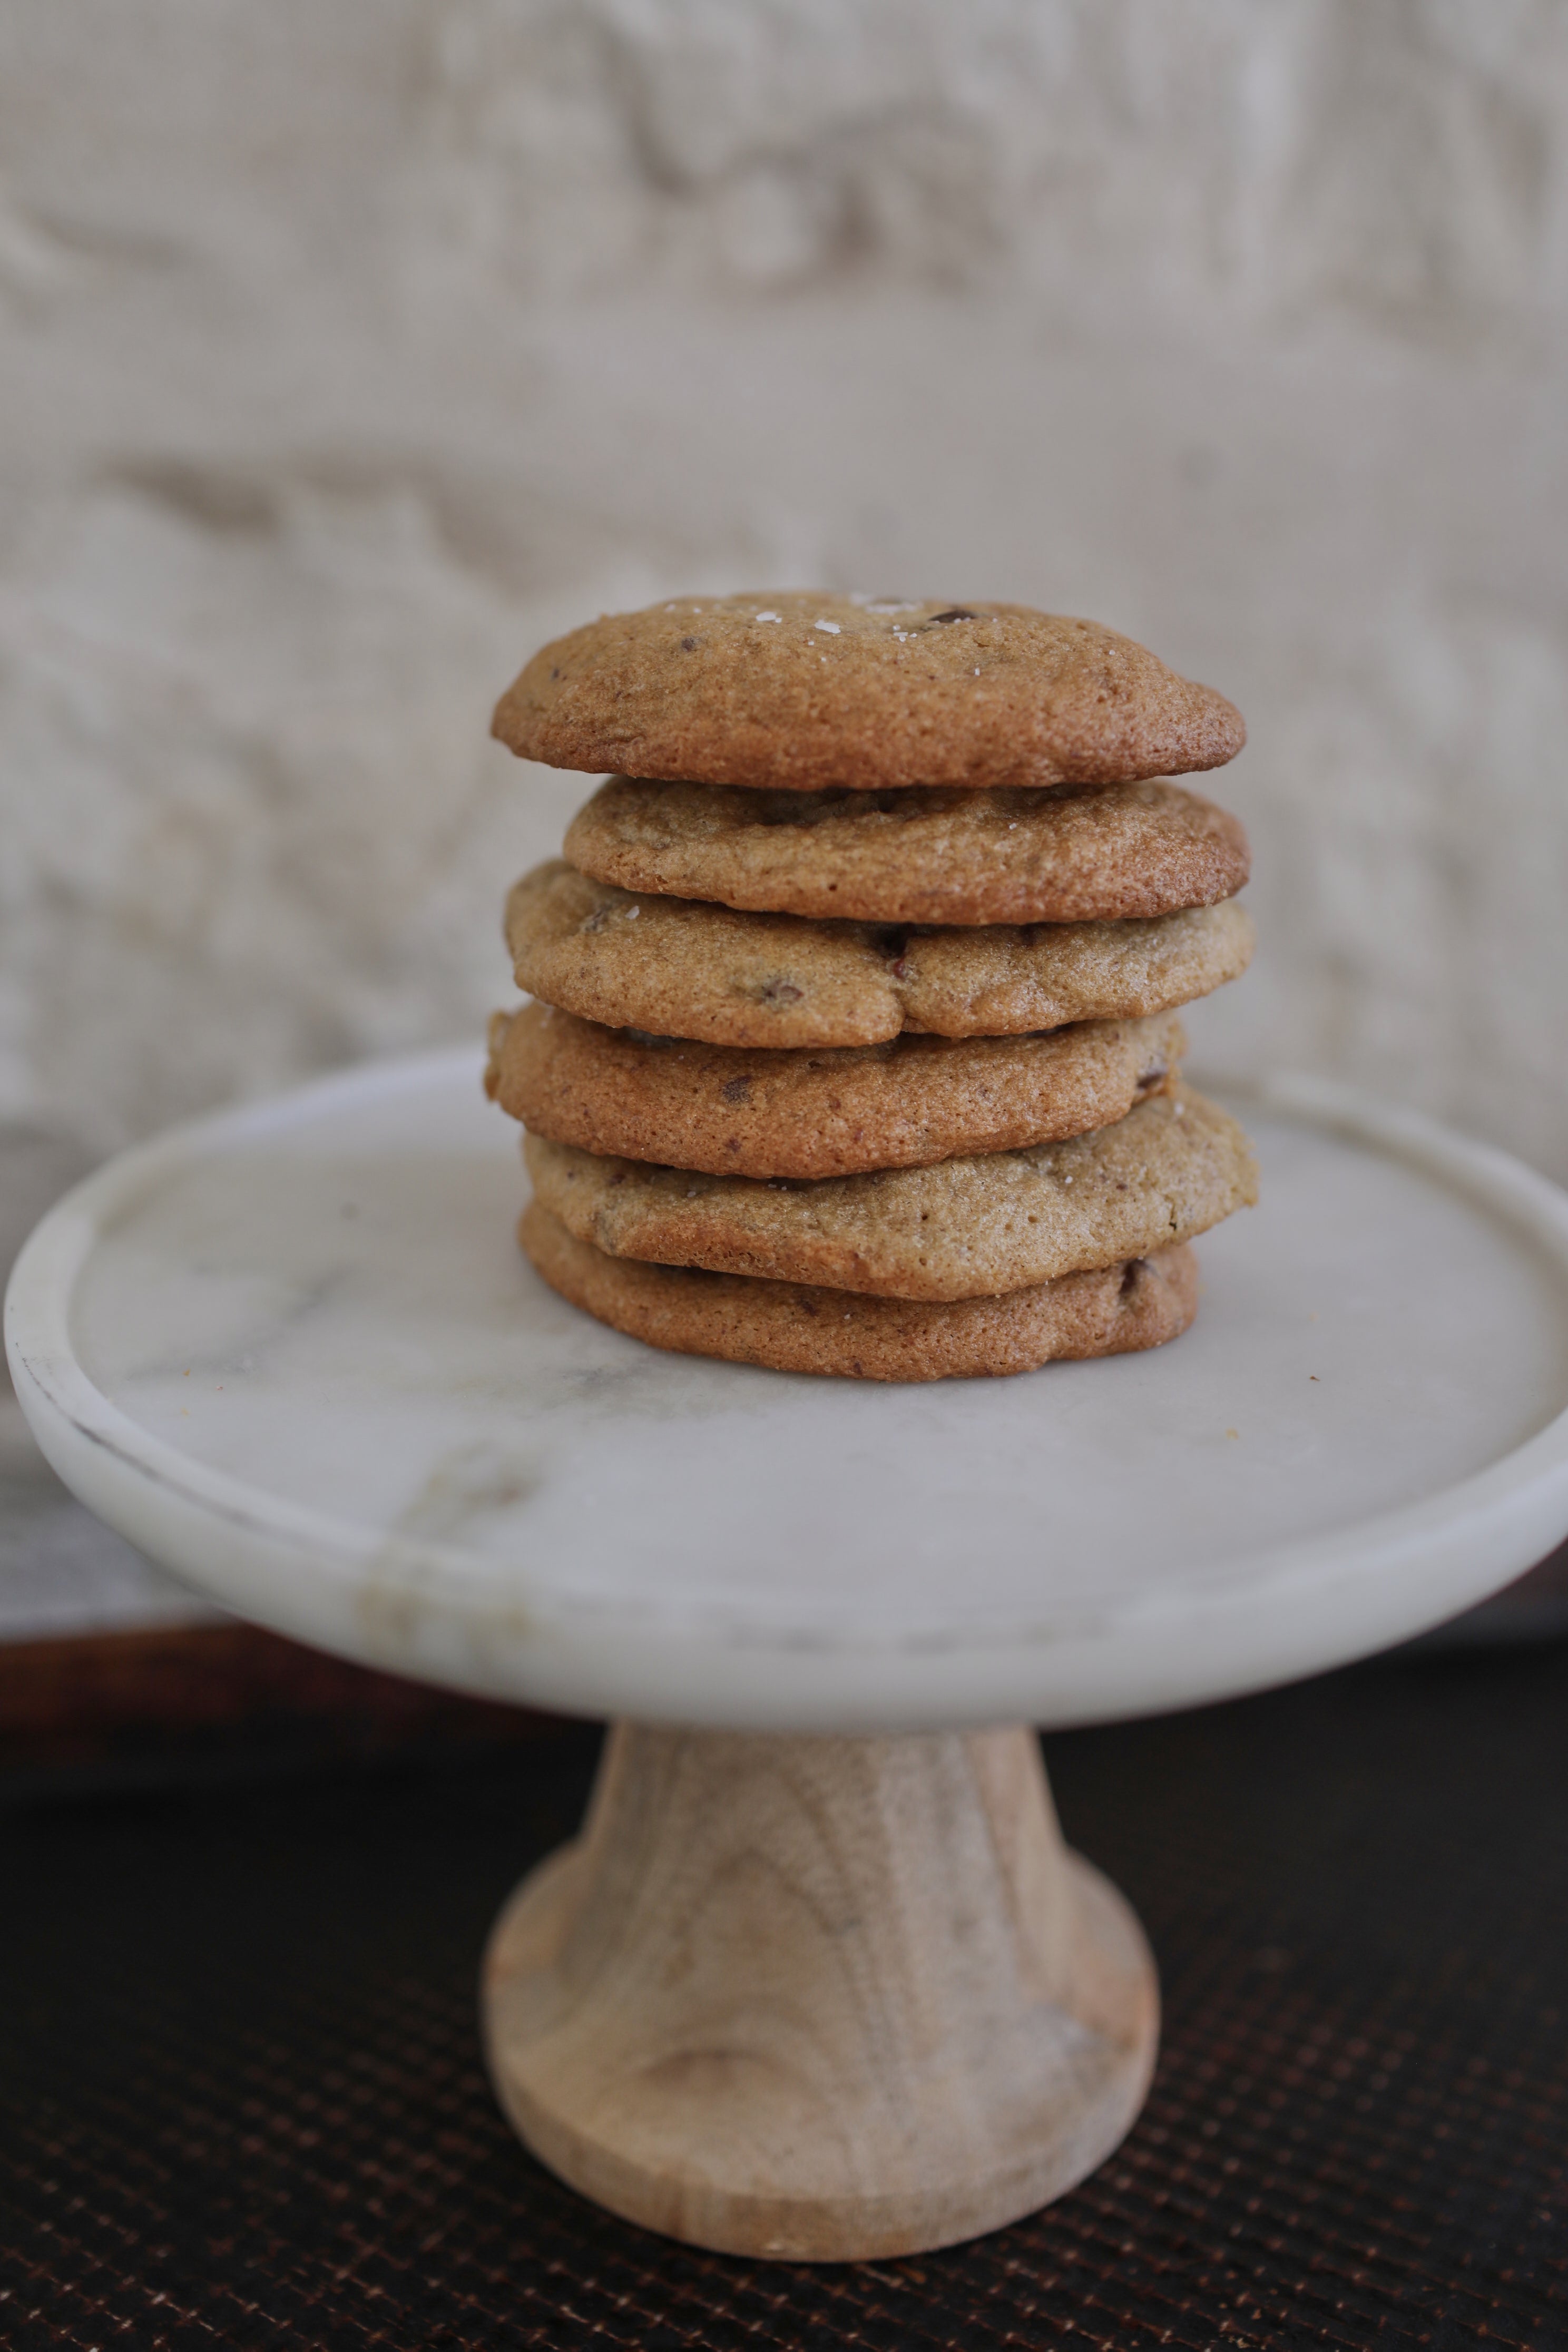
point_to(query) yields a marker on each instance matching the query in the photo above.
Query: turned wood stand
(820, 1998)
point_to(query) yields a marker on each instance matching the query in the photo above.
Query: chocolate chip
(807, 1306)
(738, 1090)
(957, 613)
(901, 969)
(780, 992)
(1129, 1274)
(689, 645)
(553, 676)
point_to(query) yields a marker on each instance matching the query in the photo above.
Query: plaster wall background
(351, 347)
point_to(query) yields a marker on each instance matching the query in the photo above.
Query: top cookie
(802, 691)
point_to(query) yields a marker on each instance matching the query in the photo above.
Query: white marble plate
(294, 1354)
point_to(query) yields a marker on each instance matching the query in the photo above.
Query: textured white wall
(353, 346)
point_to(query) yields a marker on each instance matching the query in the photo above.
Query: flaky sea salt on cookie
(1074, 853)
(962, 1229)
(792, 1327)
(829, 1112)
(805, 690)
(683, 969)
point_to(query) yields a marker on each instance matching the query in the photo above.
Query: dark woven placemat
(241, 2103)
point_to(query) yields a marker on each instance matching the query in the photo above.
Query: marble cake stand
(819, 1979)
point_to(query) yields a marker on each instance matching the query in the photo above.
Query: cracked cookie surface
(805, 690)
(796, 1328)
(684, 968)
(961, 1228)
(1075, 853)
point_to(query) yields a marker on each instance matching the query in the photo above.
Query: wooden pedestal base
(820, 1998)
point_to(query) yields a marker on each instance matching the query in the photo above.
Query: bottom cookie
(795, 1328)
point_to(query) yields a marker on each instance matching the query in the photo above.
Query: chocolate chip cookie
(963, 1228)
(1075, 853)
(797, 1327)
(806, 691)
(683, 968)
(829, 1112)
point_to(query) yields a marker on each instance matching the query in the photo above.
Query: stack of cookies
(854, 1045)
